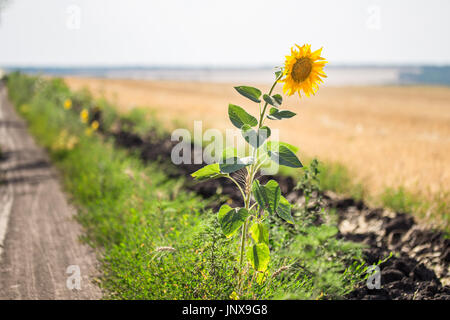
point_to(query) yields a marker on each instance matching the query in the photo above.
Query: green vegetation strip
(157, 241)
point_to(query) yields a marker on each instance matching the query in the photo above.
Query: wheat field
(387, 136)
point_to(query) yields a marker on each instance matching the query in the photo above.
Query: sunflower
(303, 70)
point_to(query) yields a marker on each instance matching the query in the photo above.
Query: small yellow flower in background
(95, 125)
(88, 131)
(234, 296)
(67, 104)
(303, 70)
(84, 115)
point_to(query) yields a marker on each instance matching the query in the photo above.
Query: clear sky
(221, 33)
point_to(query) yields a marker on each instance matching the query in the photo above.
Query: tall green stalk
(251, 174)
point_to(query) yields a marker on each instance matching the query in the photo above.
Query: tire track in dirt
(39, 238)
(6, 198)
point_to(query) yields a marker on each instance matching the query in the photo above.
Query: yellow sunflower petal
(303, 70)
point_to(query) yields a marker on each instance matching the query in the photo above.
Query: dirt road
(41, 256)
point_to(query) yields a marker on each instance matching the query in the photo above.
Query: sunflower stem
(248, 194)
(247, 198)
(261, 119)
(237, 184)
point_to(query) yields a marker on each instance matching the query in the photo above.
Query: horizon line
(209, 67)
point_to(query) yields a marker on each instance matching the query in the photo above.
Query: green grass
(141, 121)
(336, 177)
(332, 177)
(134, 215)
(400, 200)
(434, 212)
(127, 209)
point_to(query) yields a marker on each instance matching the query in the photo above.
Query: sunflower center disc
(301, 70)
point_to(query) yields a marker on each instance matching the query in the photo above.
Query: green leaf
(259, 256)
(211, 171)
(271, 100)
(284, 210)
(278, 98)
(233, 164)
(285, 114)
(275, 114)
(259, 233)
(231, 219)
(239, 117)
(273, 193)
(259, 194)
(284, 156)
(267, 196)
(278, 74)
(249, 92)
(275, 145)
(253, 137)
(261, 277)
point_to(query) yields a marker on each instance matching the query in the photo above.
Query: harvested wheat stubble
(419, 268)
